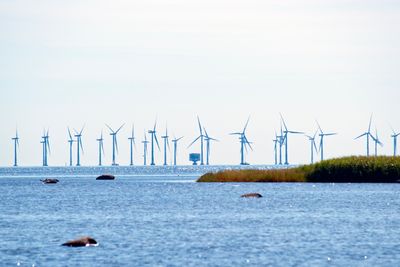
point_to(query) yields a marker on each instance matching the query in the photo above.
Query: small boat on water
(50, 181)
(106, 177)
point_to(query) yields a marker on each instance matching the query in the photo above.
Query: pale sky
(69, 63)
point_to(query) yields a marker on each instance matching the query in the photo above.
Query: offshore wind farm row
(150, 138)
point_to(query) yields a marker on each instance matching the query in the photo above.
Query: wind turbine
(79, 145)
(285, 138)
(166, 142)
(145, 142)
(281, 143)
(313, 145)
(16, 144)
(321, 142)
(132, 143)
(70, 141)
(175, 141)
(276, 141)
(208, 140)
(376, 141)
(101, 147)
(46, 147)
(394, 136)
(244, 142)
(367, 134)
(201, 137)
(114, 142)
(153, 138)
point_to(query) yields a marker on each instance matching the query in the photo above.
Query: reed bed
(382, 169)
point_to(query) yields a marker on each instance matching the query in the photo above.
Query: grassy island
(380, 169)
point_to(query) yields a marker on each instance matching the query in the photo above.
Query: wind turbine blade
(69, 133)
(119, 128)
(283, 121)
(116, 143)
(112, 131)
(158, 145)
(249, 144)
(294, 132)
(315, 146)
(179, 138)
(198, 121)
(48, 145)
(319, 127)
(369, 126)
(329, 134)
(360, 136)
(235, 133)
(205, 132)
(83, 128)
(80, 144)
(247, 123)
(194, 141)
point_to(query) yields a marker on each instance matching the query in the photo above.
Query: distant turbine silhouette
(166, 143)
(101, 147)
(201, 138)
(153, 134)
(367, 134)
(394, 136)
(276, 141)
(16, 145)
(132, 143)
(70, 141)
(281, 143)
(376, 141)
(321, 143)
(208, 140)
(175, 141)
(46, 147)
(285, 138)
(145, 142)
(79, 145)
(244, 142)
(114, 142)
(313, 145)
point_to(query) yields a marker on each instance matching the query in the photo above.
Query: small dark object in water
(255, 195)
(49, 181)
(106, 177)
(81, 242)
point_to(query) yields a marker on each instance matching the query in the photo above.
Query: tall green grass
(381, 169)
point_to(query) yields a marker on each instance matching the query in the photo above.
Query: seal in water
(85, 241)
(49, 181)
(106, 177)
(255, 195)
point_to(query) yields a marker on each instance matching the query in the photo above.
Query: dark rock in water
(49, 181)
(81, 242)
(255, 195)
(106, 177)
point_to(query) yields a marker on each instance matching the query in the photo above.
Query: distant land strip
(140, 170)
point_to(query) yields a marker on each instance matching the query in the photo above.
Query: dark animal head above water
(255, 195)
(81, 242)
(49, 181)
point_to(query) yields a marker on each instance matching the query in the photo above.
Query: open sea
(173, 221)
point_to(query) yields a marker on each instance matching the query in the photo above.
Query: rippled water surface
(172, 221)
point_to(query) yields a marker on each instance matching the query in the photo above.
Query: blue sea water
(172, 221)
